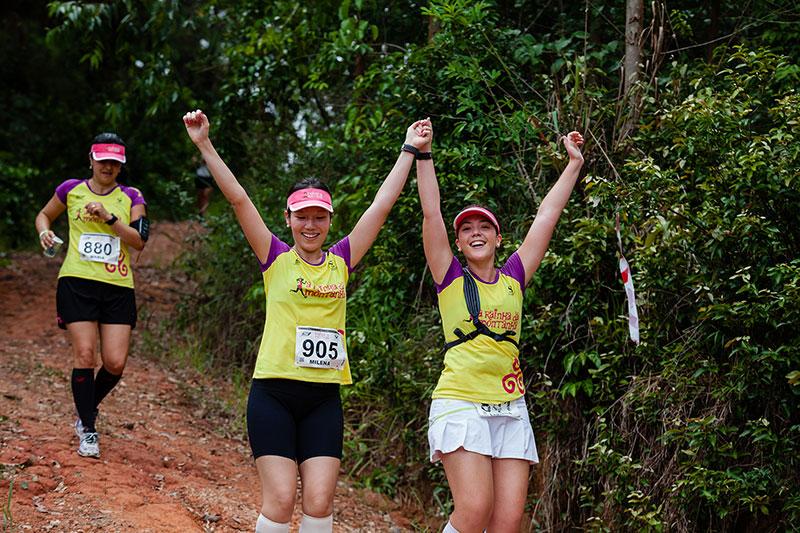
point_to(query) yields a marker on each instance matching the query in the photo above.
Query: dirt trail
(167, 463)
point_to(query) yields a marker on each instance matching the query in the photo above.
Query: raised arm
(370, 223)
(536, 242)
(434, 232)
(253, 226)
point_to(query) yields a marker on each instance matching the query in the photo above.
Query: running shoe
(90, 445)
(79, 429)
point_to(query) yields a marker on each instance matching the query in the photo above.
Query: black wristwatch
(111, 220)
(417, 154)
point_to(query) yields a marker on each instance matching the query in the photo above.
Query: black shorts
(79, 300)
(203, 182)
(203, 178)
(295, 419)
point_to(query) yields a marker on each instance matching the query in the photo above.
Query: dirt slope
(168, 464)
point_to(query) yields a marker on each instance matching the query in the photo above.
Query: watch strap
(417, 154)
(411, 150)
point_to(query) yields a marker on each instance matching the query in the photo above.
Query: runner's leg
(83, 337)
(318, 476)
(510, 491)
(104, 382)
(312, 524)
(319, 450)
(203, 199)
(114, 344)
(271, 431)
(469, 475)
(278, 477)
(265, 525)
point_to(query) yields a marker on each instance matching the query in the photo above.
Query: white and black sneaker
(90, 444)
(79, 429)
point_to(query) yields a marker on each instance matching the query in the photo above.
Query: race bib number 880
(99, 247)
(319, 348)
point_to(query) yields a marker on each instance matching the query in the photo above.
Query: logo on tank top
(120, 267)
(299, 287)
(497, 319)
(84, 216)
(330, 290)
(513, 381)
(509, 287)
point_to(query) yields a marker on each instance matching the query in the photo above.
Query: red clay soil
(170, 461)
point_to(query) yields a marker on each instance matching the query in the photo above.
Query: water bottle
(53, 250)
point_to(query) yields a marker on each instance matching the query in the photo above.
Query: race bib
(487, 410)
(319, 348)
(99, 247)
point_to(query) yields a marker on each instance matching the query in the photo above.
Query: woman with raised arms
(479, 425)
(294, 411)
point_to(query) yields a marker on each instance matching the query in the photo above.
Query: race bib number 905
(99, 247)
(319, 348)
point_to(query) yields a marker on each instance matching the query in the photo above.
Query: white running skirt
(501, 431)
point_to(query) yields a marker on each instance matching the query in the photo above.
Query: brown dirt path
(168, 463)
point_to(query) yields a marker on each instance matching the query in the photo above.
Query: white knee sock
(310, 524)
(448, 528)
(265, 525)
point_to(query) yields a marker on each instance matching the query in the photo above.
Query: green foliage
(717, 275)
(678, 432)
(16, 201)
(73, 69)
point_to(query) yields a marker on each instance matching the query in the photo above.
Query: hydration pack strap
(473, 300)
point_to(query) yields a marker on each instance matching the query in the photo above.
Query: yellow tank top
(75, 194)
(304, 299)
(482, 369)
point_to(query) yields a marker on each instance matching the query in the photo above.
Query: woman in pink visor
(95, 295)
(294, 411)
(478, 425)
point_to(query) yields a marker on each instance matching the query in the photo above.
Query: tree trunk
(713, 28)
(631, 97)
(433, 27)
(634, 17)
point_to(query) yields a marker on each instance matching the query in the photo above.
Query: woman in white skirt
(479, 426)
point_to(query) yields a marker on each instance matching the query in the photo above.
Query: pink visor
(104, 152)
(309, 198)
(475, 210)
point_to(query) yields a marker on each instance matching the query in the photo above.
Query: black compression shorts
(79, 300)
(295, 419)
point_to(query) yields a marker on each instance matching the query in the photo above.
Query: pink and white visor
(104, 152)
(309, 198)
(475, 210)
